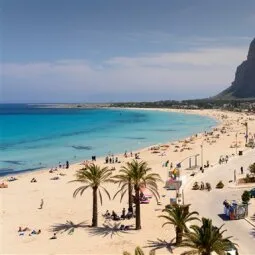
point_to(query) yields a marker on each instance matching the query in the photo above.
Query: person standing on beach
(41, 205)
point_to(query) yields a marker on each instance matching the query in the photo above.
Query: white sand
(20, 201)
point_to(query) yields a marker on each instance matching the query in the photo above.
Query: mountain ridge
(244, 84)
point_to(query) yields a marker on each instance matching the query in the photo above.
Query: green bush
(252, 168)
(249, 178)
(246, 197)
(220, 185)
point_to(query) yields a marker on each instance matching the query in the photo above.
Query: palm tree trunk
(179, 234)
(130, 198)
(137, 209)
(94, 216)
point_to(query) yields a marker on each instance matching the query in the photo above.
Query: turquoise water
(33, 138)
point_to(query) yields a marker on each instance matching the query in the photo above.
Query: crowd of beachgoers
(39, 206)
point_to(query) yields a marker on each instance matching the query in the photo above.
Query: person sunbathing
(115, 216)
(12, 179)
(107, 214)
(34, 232)
(129, 215)
(124, 227)
(3, 185)
(55, 178)
(24, 229)
(54, 236)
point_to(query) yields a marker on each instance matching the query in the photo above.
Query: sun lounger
(147, 196)
(144, 201)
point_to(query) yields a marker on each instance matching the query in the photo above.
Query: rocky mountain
(244, 84)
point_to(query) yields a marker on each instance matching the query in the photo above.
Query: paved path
(210, 204)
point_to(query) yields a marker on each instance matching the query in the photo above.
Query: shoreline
(20, 201)
(118, 154)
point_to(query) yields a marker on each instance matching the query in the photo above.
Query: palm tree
(206, 239)
(178, 216)
(136, 175)
(139, 251)
(93, 177)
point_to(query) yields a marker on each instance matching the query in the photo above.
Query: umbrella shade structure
(145, 192)
(173, 184)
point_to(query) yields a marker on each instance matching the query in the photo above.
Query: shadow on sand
(68, 227)
(160, 244)
(109, 230)
(223, 217)
(253, 232)
(252, 218)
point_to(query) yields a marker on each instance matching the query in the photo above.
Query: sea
(34, 137)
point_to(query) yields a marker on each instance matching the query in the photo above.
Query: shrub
(208, 186)
(246, 197)
(252, 168)
(249, 178)
(220, 185)
(195, 186)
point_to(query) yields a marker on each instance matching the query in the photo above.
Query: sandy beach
(70, 217)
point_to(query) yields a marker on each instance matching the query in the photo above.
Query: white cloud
(201, 58)
(203, 71)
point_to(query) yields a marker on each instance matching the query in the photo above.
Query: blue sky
(114, 50)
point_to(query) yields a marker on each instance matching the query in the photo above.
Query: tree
(252, 168)
(178, 216)
(206, 239)
(246, 197)
(93, 177)
(138, 174)
(139, 251)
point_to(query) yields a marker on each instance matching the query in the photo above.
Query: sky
(57, 51)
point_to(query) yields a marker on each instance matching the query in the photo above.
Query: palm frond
(122, 194)
(191, 252)
(80, 190)
(139, 251)
(100, 196)
(107, 193)
(206, 238)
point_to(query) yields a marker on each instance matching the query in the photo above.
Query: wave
(135, 138)
(80, 147)
(13, 162)
(6, 171)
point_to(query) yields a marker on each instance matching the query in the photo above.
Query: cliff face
(244, 84)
